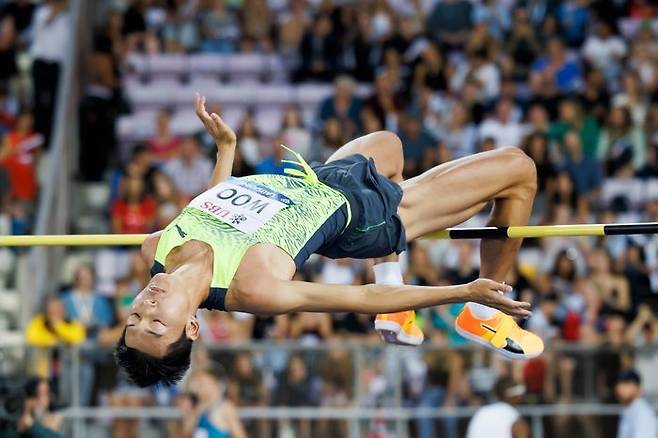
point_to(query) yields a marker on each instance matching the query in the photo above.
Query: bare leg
(453, 192)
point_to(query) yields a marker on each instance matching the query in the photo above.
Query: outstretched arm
(224, 138)
(269, 295)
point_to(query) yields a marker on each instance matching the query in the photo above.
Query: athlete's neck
(193, 267)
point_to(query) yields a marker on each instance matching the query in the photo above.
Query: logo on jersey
(244, 205)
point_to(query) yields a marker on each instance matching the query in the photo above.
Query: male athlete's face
(158, 316)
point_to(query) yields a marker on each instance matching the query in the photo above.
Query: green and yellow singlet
(299, 214)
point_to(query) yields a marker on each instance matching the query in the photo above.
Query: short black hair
(146, 370)
(629, 376)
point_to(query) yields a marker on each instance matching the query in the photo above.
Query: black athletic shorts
(375, 229)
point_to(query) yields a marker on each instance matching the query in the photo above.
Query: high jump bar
(450, 233)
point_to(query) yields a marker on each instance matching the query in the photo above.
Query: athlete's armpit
(149, 246)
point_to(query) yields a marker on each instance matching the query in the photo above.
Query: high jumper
(236, 247)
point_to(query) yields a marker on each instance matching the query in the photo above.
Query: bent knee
(522, 166)
(389, 143)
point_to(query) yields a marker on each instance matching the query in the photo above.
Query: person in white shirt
(51, 33)
(503, 129)
(501, 419)
(189, 171)
(605, 50)
(638, 419)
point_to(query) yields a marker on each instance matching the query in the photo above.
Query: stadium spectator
(621, 145)
(503, 128)
(190, 171)
(449, 21)
(555, 74)
(249, 141)
(20, 148)
(135, 211)
(605, 51)
(37, 418)
(418, 143)
(219, 28)
(572, 118)
(585, 172)
(51, 36)
(294, 133)
(318, 50)
(215, 415)
(51, 328)
(344, 106)
(164, 144)
(84, 305)
(501, 418)
(298, 387)
(638, 418)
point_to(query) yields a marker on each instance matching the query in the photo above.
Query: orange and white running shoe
(500, 333)
(399, 328)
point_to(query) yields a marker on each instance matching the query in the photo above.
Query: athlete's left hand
(220, 131)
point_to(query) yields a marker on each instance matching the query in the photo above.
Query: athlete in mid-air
(237, 246)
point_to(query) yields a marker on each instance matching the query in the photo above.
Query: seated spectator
(595, 96)
(622, 144)
(502, 128)
(633, 96)
(638, 417)
(344, 106)
(585, 172)
(522, 44)
(418, 144)
(84, 305)
(309, 328)
(449, 22)
(135, 211)
(298, 387)
(272, 163)
(164, 144)
(385, 102)
(431, 70)
(257, 25)
(293, 24)
(458, 134)
(139, 165)
(37, 418)
(318, 51)
(571, 117)
(573, 17)
(605, 50)
(536, 147)
(246, 387)
(178, 32)
(214, 415)
(51, 328)
(249, 140)
(87, 306)
(190, 171)
(612, 288)
(554, 73)
(219, 28)
(18, 154)
(332, 138)
(294, 134)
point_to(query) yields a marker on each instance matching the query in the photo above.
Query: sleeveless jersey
(281, 210)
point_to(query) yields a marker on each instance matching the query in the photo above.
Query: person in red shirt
(164, 144)
(135, 212)
(18, 155)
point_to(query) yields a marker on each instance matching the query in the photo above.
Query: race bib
(244, 205)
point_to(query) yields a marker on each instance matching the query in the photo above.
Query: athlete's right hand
(220, 131)
(490, 293)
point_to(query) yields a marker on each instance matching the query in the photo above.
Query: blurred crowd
(573, 83)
